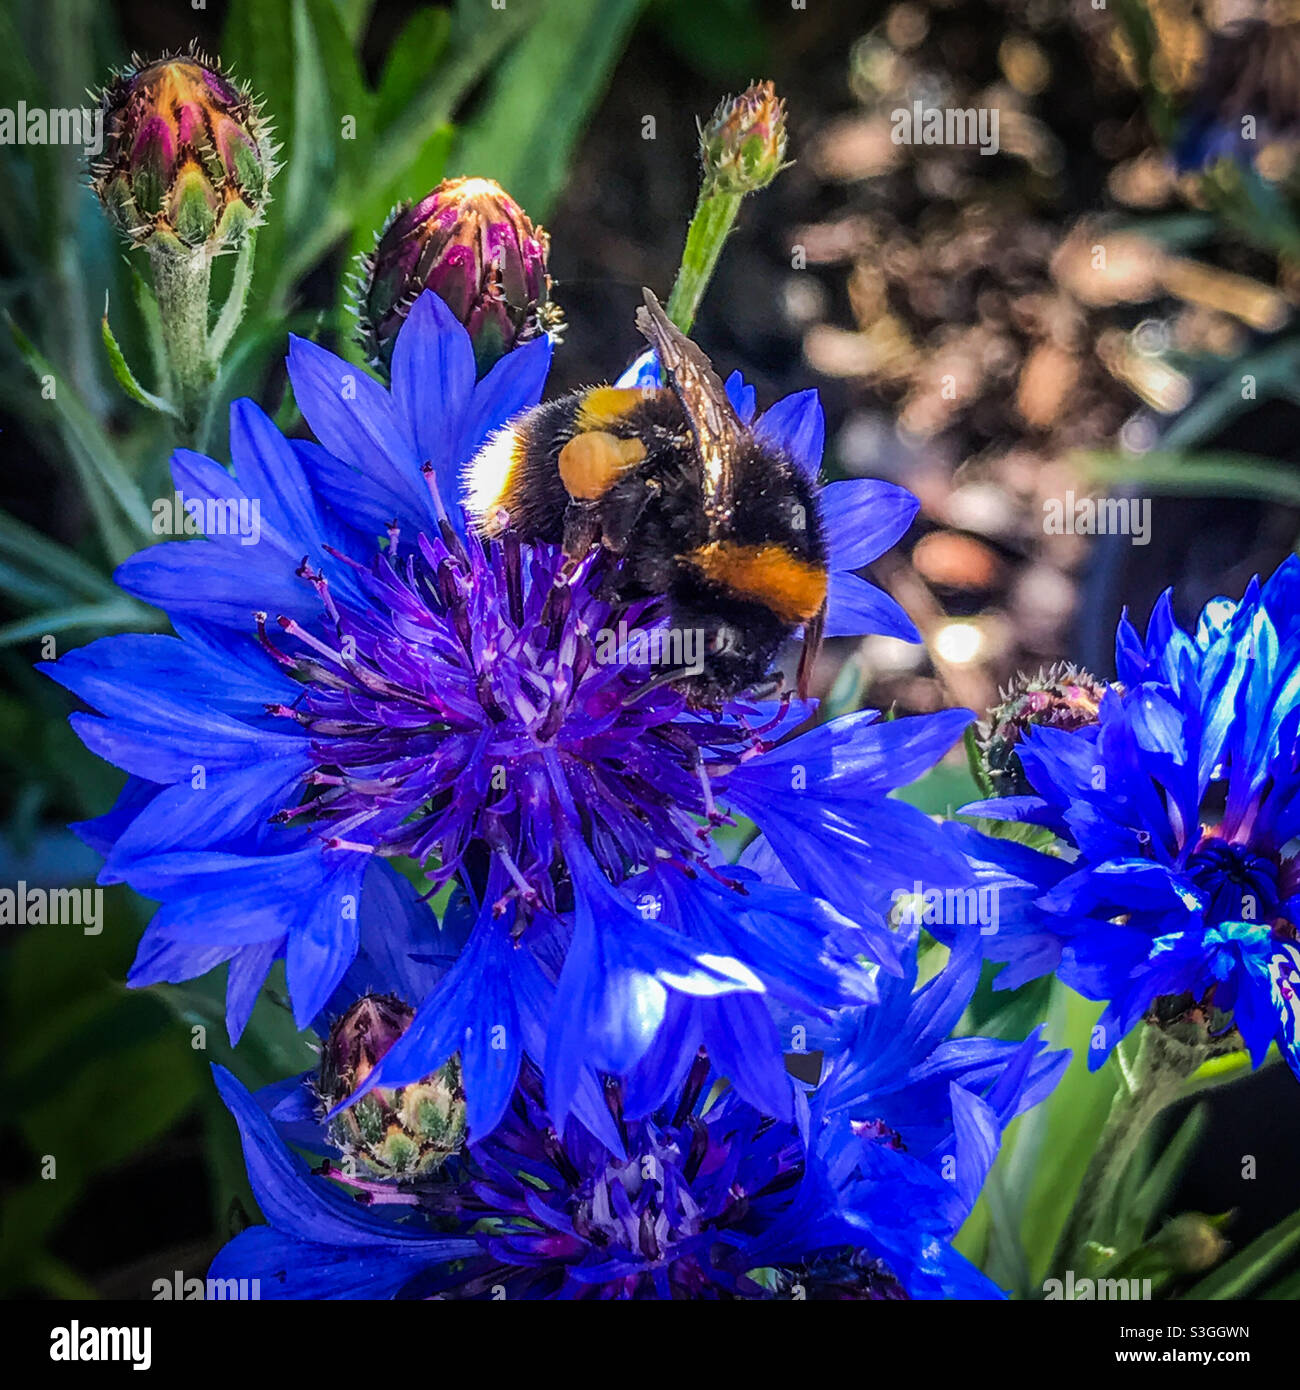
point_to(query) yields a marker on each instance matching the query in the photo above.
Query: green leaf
(1045, 1152)
(1147, 1185)
(723, 39)
(45, 570)
(1011, 1014)
(1005, 1260)
(325, 159)
(97, 1073)
(541, 97)
(474, 48)
(272, 1046)
(95, 458)
(1214, 475)
(354, 16)
(941, 790)
(109, 1085)
(1276, 372)
(122, 613)
(126, 377)
(975, 761)
(312, 160)
(1235, 1278)
(243, 370)
(1287, 1288)
(415, 53)
(146, 302)
(258, 43)
(233, 309)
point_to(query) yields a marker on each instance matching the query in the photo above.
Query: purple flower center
(671, 1216)
(469, 705)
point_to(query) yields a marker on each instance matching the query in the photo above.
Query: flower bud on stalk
(1060, 698)
(476, 248)
(1190, 1243)
(185, 174)
(187, 159)
(404, 1132)
(743, 145)
(742, 149)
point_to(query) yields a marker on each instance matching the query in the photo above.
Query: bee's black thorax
(746, 570)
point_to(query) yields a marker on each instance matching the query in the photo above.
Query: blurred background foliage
(876, 271)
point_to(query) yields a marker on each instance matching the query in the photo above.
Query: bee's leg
(625, 504)
(766, 689)
(581, 528)
(622, 512)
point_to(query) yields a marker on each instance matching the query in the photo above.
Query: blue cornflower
(705, 1197)
(1174, 889)
(370, 682)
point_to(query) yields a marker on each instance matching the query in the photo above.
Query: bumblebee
(723, 525)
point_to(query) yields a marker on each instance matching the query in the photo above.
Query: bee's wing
(714, 423)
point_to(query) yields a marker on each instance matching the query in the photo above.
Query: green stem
(181, 283)
(233, 309)
(1154, 1081)
(714, 214)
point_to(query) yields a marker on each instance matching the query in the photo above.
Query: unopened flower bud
(1059, 698)
(476, 248)
(1190, 1243)
(401, 1132)
(743, 144)
(187, 159)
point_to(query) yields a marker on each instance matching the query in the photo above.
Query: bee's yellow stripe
(770, 574)
(603, 406)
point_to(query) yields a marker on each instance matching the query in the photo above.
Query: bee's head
(732, 646)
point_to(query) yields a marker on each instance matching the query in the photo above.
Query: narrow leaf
(1236, 1277)
(126, 377)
